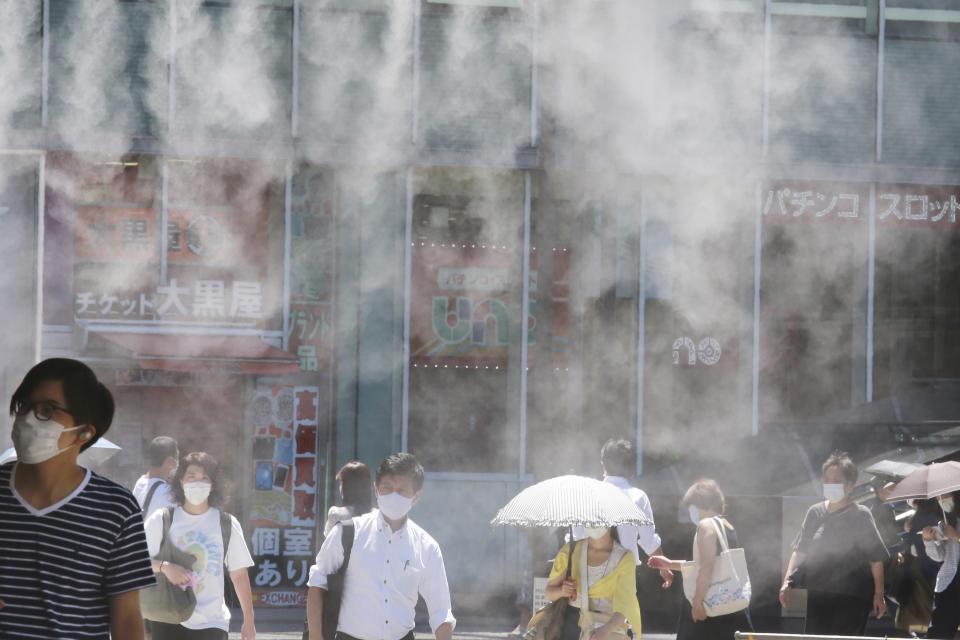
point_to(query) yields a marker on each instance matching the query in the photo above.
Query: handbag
(166, 602)
(547, 623)
(589, 619)
(730, 589)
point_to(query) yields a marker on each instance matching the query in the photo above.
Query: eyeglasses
(43, 410)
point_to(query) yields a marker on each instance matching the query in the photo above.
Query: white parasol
(570, 500)
(96, 454)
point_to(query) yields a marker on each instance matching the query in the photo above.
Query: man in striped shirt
(73, 554)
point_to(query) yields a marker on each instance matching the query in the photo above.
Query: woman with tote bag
(713, 543)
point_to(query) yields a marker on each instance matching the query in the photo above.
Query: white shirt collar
(617, 481)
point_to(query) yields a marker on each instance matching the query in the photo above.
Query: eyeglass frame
(24, 409)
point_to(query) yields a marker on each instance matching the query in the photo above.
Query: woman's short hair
(705, 493)
(841, 461)
(88, 400)
(355, 483)
(218, 490)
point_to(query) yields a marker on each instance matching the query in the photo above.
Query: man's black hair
(161, 448)
(88, 400)
(618, 457)
(401, 464)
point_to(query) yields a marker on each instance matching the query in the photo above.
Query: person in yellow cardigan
(612, 586)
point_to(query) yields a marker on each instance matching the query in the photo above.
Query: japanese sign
(311, 335)
(117, 233)
(459, 304)
(216, 300)
(285, 478)
(895, 205)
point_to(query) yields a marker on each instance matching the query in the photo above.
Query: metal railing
(749, 635)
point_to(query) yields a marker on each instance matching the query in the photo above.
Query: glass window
(812, 298)
(355, 71)
(20, 59)
(921, 126)
(823, 82)
(225, 242)
(101, 224)
(465, 320)
(107, 67)
(475, 77)
(233, 69)
(699, 292)
(706, 93)
(917, 303)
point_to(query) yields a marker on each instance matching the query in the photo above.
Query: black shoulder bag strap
(334, 594)
(146, 501)
(229, 592)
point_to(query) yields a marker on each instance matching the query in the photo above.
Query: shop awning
(211, 353)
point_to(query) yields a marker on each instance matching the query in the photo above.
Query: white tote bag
(729, 590)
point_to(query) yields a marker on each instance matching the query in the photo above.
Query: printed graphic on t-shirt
(207, 550)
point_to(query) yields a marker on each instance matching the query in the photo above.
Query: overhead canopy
(214, 353)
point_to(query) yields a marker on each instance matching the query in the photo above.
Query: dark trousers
(835, 614)
(946, 611)
(164, 631)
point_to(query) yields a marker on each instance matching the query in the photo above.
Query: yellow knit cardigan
(620, 584)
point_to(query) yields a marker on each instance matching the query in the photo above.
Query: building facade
(493, 233)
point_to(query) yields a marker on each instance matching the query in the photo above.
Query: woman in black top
(706, 504)
(838, 556)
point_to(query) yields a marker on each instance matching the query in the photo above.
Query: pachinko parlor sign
(894, 205)
(459, 316)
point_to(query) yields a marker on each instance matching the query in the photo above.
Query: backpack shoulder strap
(346, 539)
(226, 528)
(146, 501)
(167, 521)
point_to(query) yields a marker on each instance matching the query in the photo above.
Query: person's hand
(248, 631)
(175, 573)
(899, 558)
(569, 589)
(928, 533)
(699, 612)
(667, 576)
(785, 590)
(879, 604)
(658, 562)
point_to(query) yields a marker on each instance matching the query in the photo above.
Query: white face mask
(394, 506)
(694, 514)
(197, 492)
(37, 441)
(833, 492)
(596, 532)
(946, 504)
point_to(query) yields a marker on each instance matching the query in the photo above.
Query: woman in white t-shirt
(195, 528)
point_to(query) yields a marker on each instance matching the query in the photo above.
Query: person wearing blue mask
(393, 561)
(838, 556)
(706, 504)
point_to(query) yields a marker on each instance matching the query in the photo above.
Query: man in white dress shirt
(152, 490)
(392, 561)
(619, 460)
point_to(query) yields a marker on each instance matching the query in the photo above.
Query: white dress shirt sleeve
(935, 550)
(647, 534)
(329, 558)
(436, 591)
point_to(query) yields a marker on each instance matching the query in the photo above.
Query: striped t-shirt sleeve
(130, 567)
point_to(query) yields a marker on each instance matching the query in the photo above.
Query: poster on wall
(459, 308)
(284, 500)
